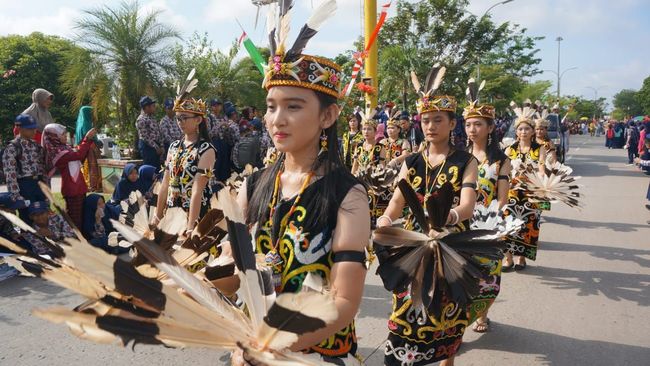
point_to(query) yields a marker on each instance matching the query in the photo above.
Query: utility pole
(559, 40)
(370, 71)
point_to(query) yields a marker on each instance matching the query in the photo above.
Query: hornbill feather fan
(439, 263)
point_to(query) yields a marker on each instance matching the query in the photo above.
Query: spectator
(128, 183)
(169, 130)
(146, 179)
(632, 142)
(93, 228)
(23, 164)
(40, 110)
(59, 155)
(609, 136)
(92, 174)
(150, 142)
(7, 229)
(47, 224)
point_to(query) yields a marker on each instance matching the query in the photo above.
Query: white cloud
(58, 23)
(221, 10)
(167, 15)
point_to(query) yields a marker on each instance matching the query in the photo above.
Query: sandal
(520, 267)
(481, 327)
(507, 268)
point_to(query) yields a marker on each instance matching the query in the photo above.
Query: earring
(469, 142)
(489, 139)
(452, 138)
(323, 143)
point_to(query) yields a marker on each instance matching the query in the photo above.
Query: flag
(255, 55)
(362, 55)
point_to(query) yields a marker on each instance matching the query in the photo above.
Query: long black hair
(204, 134)
(326, 200)
(493, 150)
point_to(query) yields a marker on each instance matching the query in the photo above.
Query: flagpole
(370, 12)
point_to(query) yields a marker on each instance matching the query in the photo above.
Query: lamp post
(478, 61)
(559, 75)
(595, 90)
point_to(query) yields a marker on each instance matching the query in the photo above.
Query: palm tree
(127, 56)
(396, 63)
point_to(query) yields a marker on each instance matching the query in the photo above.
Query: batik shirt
(183, 167)
(148, 130)
(59, 228)
(169, 130)
(31, 161)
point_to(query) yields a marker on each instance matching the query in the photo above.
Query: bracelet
(390, 221)
(455, 215)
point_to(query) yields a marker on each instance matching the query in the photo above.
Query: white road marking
(577, 148)
(568, 158)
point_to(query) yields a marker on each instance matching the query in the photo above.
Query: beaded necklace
(428, 189)
(273, 258)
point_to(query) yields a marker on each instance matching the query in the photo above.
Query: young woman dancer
(416, 336)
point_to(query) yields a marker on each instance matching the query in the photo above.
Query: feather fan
(556, 184)
(125, 306)
(437, 262)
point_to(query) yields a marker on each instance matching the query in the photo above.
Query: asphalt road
(585, 301)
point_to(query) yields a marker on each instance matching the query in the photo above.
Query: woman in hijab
(40, 110)
(59, 155)
(91, 168)
(128, 183)
(93, 229)
(146, 178)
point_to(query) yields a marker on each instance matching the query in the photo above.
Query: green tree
(129, 55)
(627, 101)
(220, 74)
(38, 60)
(444, 31)
(537, 90)
(643, 96)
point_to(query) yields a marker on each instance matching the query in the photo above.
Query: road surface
(585, 301)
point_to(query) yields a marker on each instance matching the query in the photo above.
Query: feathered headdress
(540, 118)
(183, 102)
(428, 101)
(368, 118)
(524, 114)
(474, 109)
(289, 66)
(394, 119)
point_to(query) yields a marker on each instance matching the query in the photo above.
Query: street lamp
(478, 65)
(559, 79)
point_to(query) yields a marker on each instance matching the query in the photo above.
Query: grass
(60, 201)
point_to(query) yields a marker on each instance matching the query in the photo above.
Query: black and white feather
(440, 261)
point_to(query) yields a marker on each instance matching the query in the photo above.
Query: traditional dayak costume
(183, 164)
(368, 160)
(292, 235)
(420, 335)
(524, 242)
(488, 178)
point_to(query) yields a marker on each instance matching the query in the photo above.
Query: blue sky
(606, 40)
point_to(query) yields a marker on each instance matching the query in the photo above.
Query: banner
(253, 52)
